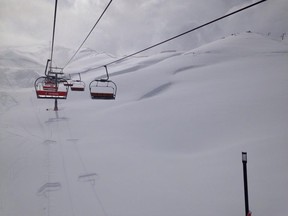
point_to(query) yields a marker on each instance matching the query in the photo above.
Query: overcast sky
(127, 26)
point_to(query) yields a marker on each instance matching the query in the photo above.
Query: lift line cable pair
(179, 35)
(89, 33)
(53, 34)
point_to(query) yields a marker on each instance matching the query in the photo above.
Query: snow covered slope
(170, 144)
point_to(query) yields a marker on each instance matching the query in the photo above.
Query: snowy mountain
(170, 144)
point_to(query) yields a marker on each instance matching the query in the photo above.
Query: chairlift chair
(69, 84)
(78, 84)
(69, 81)
(103, 88)
(50, 88)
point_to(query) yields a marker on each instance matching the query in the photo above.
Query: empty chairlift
(103, 88)
(50, 88)
(69, 82)
(52, 85)
(77, 84)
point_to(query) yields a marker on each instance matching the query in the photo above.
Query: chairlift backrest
(49, 88)
(77, 84)
(103, 88)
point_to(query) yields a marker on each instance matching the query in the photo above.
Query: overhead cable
(184, 33)
(89, 33)
(53, 34)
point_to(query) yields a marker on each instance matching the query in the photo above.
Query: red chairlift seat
(68, 84)
(51, 94)
(103, 88)
(48, 88)
(77, 84)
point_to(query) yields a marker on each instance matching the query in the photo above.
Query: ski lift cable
(88, 34)
(182, 34)
(53, 34)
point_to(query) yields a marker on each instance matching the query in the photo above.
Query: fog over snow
(171, 142)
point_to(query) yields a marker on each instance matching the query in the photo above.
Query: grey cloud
(128, 25)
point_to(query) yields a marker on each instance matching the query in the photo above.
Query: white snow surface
(170, 144)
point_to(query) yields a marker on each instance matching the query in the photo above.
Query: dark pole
(56, 85)
(244, 161)
(56, 105)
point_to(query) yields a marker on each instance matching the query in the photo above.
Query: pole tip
(244, 156)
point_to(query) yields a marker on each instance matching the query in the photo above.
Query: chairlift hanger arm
(48, 60)
(106, 72)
